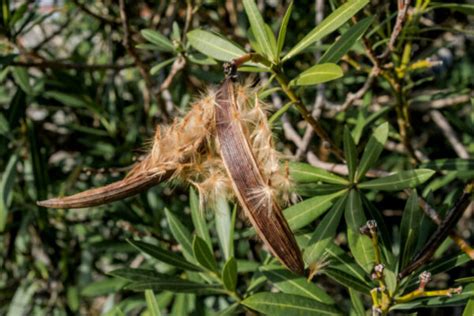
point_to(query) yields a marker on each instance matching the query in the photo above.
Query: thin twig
(449, 133)
(402, 13)
(104, 19)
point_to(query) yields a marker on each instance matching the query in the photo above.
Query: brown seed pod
(240, 162)
(251, 187)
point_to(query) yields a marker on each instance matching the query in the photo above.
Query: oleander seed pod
(223, 147)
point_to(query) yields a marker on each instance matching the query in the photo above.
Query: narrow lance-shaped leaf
(305, 173)
(399, 181)
(224, 226)
(214, 45)
(346, 41)
(372, 150)
(151, 303)
(347, 280)
(324, 233)
(283, 27)
(197, 215)
(138, 274)
(303, 213)
(449, 164)
(175, 285)
(330, 24)
(203, 254)
(360, 245)
(165, 256)
(279, 304)
(258, 27)
(161, 42)
(6, 186)
(409, 229)
(229, 274)
(291, 283)
(350, 152)
(317, 74)
(181, 234)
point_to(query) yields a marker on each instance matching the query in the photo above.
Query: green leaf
(229, 274)
(290, 283)
(324, 233)
(214, 45)
(151, 303)
(303, 213)
(175, 285)
(138, 274)
(160, 41)
(346, 41)
(372, 150)
(449, 164)
(409, 229)
(201, 59)
(283, 27)
(258, 28)
(305, 173)
(156, 68)
(203, 254)
(350, 152)
(399, 181)
(103, 287)
(469, 309)
(341, 261)
(165, 256)
(181, 234)
(317, 74)
(279, 304)
(22, 79)
(330, 24)
(199, 221)
(360, 245)
(6, 185)
(347, 280)
(224, 226)
(465, 8)
(356, 302)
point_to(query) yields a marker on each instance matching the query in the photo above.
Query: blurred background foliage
(85, 83)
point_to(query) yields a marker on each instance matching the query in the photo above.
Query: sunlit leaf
(399, 181)
(214, 45)
(303, 213)
(181, 233)
(335, 52)
(161, 42)
(290, 283)
(280, 304)
(305, 173)
(283, 27)
(151, 303)
(317, 74)
(258, 28)
(199, 220)
(329, 24)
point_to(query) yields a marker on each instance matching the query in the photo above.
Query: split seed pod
(250, 185)
(223, 146)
